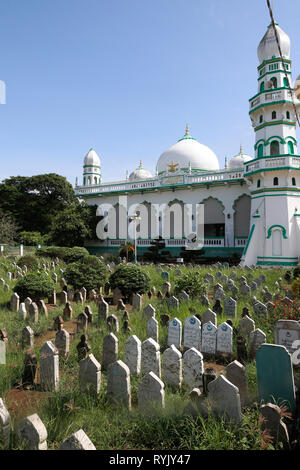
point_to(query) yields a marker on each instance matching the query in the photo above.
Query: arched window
(285, 82)
(274, 147)
(84, 181)
(260, 151)
(294, 181)
(261, 118)
(258, 184)
(274, 82)
(89, 180)
(290, 147)
(288, 115)
(275, 181)
(262, 86)
(273, 114)
(95, 180)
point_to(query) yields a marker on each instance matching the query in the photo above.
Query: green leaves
(130, 279)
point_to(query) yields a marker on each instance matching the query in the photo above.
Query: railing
(214, 241)
(273, 162)
(208, 241)
(240, 241)
(272, 96)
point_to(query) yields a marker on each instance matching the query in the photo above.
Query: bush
(75, 254)
(35, 285)
(296, 288)
(30, 238)
(88, 272)
(296, 272)
(30, 261)
(52, 252)
(191, 283)
(130, 279)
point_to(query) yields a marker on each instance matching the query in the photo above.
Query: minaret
(91, 169)
(273, 176)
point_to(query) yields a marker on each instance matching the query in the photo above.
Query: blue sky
(124, 77)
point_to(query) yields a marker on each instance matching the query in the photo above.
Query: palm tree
(126, 247)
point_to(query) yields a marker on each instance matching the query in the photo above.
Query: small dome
(238, 161)
(91, 158)
(268, 46)
(140, 174)
(187, 154)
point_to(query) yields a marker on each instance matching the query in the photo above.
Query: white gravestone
(151, 391)
(118, 383)
(286, 332)
(133, 353)
(78, 441)
(90, 374)
(49, 367)
(31, 433)
(209, 338)
(192, 333)
(150, 357)
(172, 367)
(175, 332)
(193, 368)
(152, 329)
(225, 399)
(224, 339)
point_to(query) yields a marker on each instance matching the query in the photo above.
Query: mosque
(250, 206)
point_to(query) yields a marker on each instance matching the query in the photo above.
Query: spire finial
(141, 164)
(187, 131)
(226, 166)
(241, 149)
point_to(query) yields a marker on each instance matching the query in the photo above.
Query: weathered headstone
(152, 328)
(224, 339)
(236, 374)
(150, 360)
(175, 332)
(109, 350)
(286, 332)
(31, 433)
(193, 368)
(103, 310)
(90, 374)
(49, 367)
(22, 311)
(14, 302)
(229, 307)
(260, 309)
(133, 353)
(172, 367)
(209, 315)
(272, 423)
(33, 312)
(113, 322)
(256, 339)
(78, 441)
(137, 302)
(62, 343)
(275, 375)
(118, 383)
(151, 391)
(149, 311)
(225, 399)
(246, 325)
(4, 425)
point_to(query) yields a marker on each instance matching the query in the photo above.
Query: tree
(89, 272)
(155, 252)
(127, 250)
(30, 238)
(70, 226)
(8, 229)
(130, 279)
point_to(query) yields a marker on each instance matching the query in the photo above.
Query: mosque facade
(250, 206)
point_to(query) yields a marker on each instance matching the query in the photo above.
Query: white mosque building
(250, 206)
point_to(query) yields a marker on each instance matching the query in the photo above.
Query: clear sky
(124, 77)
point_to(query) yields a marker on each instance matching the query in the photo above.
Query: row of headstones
(31, 434)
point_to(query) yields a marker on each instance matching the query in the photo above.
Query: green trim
(249, 238)
(274, 71)
(280, 226)
(91, 166)
(269, 61)
(274, 195)
(212, 197)
(269, 90)
(271, 169)
(277, 257)
(282, 188)
(275, 123)
(256, 216)
(275, 263)
(271, 104)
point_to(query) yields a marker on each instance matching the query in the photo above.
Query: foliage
(8, 229)
(88, 272)
(284, 310)
(75, 254)
(130, 279)
(34, 285)
(127, 251)
(69, 226)
(52, 252)
(191, 282)
(296, 288)
(296, 272)
(30, 238)
(30, 261)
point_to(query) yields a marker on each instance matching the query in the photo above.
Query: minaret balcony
(276, 162)
(271, 97)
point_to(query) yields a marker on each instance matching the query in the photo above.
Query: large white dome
(268, 46)
(140, 174)
(91, 158)
(238, 161)
(187, 154)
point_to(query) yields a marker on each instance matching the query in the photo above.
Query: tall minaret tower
(273, 176)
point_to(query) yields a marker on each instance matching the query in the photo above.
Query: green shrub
(52, 252)
(130, 279)
(75, 254)
(88, 272)
(191, 283)
(35, 285)
(30, 261)
(296, 272)
(30, 238)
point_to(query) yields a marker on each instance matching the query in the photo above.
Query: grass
(114, 427)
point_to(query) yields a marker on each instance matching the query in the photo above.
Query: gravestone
(31, 433)
(245, 290)
(49, 367)
(224, 339)
(183, 297)
(113, 323)
(14, 302)
(121, 305)
(236, 374)
(175, 332)
(4, 425)
(27, 337)
(77, 298)
(271, 422)
(209, 315)
(90, 374)
(103, 311)
(193, 368)
(149, 311)
(286, 332)
(275, 377)
(172, 302)
(209, 338)
(219, 294)
(68, 312)
(192, 333)
(165, 276)
(62, 343)
(52, 299)
(150, 360)
(133, 353)
(109, 350)
(83, 293)
(225, 399)
(22, 311)
(172, 367)
(82, 321)
(229, 307)
(204, 300)
(89, 313)
(152, 329)
(137, 302)
(151, 391)
(117, 295)
(33, 312)
(118, 383)
(260, 309)
(42, 308)
(63, 297)
(246, 325)
(256, 339)
(78, 441)
(166, 288)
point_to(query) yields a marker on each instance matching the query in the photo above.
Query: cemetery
(129, 361)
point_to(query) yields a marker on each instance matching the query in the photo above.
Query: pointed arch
(269, 233)
(242, 209)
